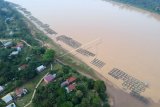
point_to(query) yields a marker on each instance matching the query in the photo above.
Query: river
(129, 37)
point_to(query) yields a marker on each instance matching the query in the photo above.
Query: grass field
(30, 86)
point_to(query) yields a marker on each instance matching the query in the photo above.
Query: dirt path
(33, 95)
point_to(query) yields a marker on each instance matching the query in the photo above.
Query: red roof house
(68, 81)
(71, 79)
(20, 91)
(70, 88)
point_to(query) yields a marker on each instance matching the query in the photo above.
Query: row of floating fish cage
(69, 41)
(85, 52)
(98, 63)
(129, 82)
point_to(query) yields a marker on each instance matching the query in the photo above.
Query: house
(1, 89)
(70, 88)
(14, 53)
(41, 68)
(22, 67)
(7, 44)
(20, 44)
(49, 78)
(20, 92)
(64, 83)
(7, 99)
(18, 49)
(68, 81)
(71, 79)
(11, 105)
(1, 44)
(11, 33)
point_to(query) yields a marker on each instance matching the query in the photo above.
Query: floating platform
(69, 41)
(85, 52)
(129, 82)
(98, 63)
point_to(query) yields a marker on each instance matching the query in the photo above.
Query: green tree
(66, 104)
(85, 102)
(79, 93)
(49, 55)
(96, 102)
(99, 86)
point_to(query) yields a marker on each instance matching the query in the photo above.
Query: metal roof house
(7, 99)
(11, 105)
(7, 44)
(41, 68)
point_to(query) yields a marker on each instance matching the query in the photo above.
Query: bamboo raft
(98, 63)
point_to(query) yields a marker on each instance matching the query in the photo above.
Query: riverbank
(97, 71)
(149, 5)
(134, 8)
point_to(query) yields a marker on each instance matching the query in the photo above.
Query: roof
(20, 44)
(1, 88)
(7, 98)
(71, 79)
(71, 87)
(11, 105)
(14, 53)
(7, 44)
(64, 83)
(18, 48)
(40, 68)
(19, 91)
(49, 78)
(23, 66)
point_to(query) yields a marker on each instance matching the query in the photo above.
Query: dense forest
(150, 5)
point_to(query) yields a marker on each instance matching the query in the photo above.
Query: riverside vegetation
(150, 5)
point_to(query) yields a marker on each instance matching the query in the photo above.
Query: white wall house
(41, 68)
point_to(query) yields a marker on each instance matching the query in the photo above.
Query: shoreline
(109, 85)
(134, 8)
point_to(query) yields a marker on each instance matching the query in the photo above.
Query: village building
(11, 105)
(68, 81)
(70, 88)
(22, 67)
(11, 33)
(41, 68)
(20, 44)
(14, 53)
(1, 89)
(65, 83)
(20, 92)
(1, 44)
(18, 49)
(49, 78)
(71, 79)
(7, 44)
(7, 99)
